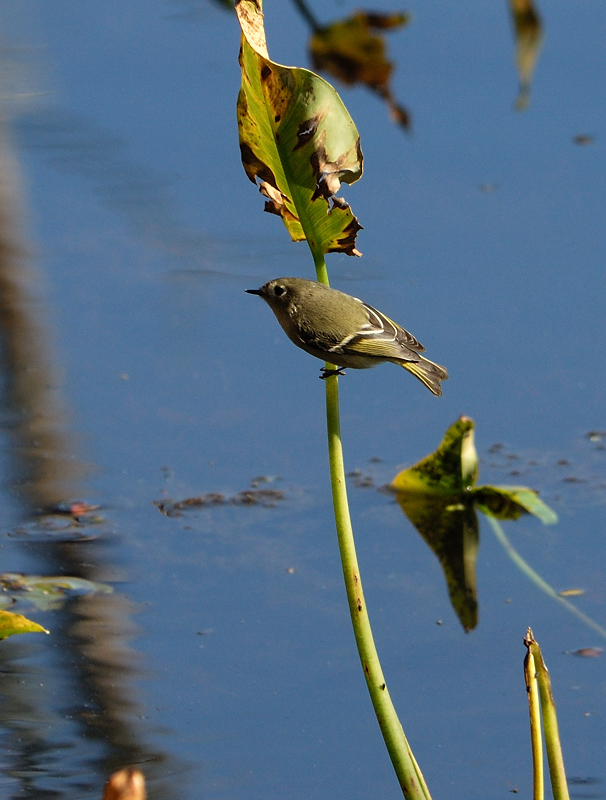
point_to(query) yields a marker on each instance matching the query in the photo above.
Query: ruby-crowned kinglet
(344, 331)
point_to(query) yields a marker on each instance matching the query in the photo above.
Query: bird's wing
(381, 337)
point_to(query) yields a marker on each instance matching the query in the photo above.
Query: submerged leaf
(11, 624)
(510, 502)
(298, 141)
(452, 469)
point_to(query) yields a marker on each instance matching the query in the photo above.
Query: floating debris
(260, 479)
(172, 508)
(48, 592)
(586, 652)
(249, 497)
(572, 593)
(583, 139)
(360, 480)
(496, 448)
(252, 497)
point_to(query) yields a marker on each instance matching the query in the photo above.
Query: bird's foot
(326, 373)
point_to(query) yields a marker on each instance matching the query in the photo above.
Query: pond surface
(136, 370)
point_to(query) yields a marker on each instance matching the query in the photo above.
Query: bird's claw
(326, 373)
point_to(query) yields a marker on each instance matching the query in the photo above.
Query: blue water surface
(136, 369)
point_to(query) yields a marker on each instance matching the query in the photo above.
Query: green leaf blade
(510, 502)
(298, 140)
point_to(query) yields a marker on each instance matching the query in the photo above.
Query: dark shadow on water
(69, 715)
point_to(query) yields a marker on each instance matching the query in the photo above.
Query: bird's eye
(279, 290)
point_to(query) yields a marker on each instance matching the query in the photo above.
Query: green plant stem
(536, 740)
(407, 770)
(559, 785)
(537, 580)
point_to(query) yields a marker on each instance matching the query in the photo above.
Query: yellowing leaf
(11, 624)
(298, 141)
(450, 470)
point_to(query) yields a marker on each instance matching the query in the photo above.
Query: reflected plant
(440, 498)
(46, 592)
(528, 31)
(354, 51)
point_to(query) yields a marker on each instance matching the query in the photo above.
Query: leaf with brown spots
(297, 142)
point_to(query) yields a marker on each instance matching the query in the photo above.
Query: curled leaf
(450, 470)
(11, 624)
(297, 141)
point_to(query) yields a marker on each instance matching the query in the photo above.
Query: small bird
(344, 331)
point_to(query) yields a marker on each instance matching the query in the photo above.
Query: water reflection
(69, 715)
(354, 51)
(453, 533)
(528, 31)
(439, 496)
(43, 468)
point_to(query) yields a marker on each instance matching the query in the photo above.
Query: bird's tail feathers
(427, 372)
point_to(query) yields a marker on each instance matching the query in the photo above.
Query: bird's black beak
(254, 291)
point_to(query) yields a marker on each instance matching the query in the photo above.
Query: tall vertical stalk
(407, 770)
(536, 739)
(557, 773)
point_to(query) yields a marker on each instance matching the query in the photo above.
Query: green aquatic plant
(440, 497)
(299, 143)
(542, 708)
